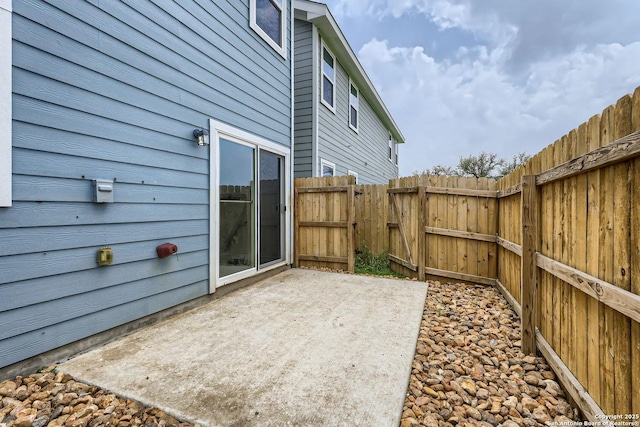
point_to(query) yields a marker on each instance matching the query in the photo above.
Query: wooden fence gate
(443, 227)
(324, 223)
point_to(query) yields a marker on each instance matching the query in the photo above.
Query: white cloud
(531, 31)
(471, 104)
(520, 74)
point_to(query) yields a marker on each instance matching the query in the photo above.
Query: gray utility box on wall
(103, 191)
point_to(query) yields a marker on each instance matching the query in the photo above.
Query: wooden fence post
(296, 228)
(422, 238)
(529, 268)
(351, 228)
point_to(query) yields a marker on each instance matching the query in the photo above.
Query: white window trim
(282, 48)
(324, 162)
(357, 107)
(352, 173)
(390, 148)
(322, 74)
(5, 104)
(396, 152)
(218, 130)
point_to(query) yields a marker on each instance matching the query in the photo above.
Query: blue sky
(502, 76)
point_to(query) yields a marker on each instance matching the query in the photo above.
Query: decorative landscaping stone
(468, 386)
(469, 369)
(54, 399)
(7, 388)
(430, 392)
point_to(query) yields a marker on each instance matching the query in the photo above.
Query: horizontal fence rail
(623, 301)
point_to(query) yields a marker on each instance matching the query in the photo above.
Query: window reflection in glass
(353, 106)
(328, 77)
(327, 64)
(237, 216)
(327, 91)
(270, 207)
(269, 18)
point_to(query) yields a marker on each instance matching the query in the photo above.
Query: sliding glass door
(251, 219)
(271, 218)
(237, 230)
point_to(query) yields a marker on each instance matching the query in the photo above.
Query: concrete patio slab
(303, 348)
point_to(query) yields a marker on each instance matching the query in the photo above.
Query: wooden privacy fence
(443, 227)
(324, 222)
(372, 215)
(459, 233)
(576, 280)
(560, 238)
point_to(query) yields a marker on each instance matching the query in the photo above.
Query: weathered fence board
(529, 277)
(593, 250)
(622, 257)
(635, 257)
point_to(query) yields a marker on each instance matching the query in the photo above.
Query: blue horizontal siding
(303, 99)
(113, 90)
(35, 291)
(41, 137)
(48, 189)
(53, 92)
(51, 263)
(55, 117)
(28, 214)
(42, 163)
(141, 44)
(75, 80)
(145, 27)
(42, 239)
(39, 316)
(37, 341)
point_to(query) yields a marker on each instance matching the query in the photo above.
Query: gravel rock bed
(469, 369)
(52, 398)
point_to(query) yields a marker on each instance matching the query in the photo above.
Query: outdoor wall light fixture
(201, 136)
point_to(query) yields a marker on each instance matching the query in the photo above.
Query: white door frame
(222, 130)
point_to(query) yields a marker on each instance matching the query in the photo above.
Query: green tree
(484, 165)
(480, 166)
(439, 170)
(518, 160)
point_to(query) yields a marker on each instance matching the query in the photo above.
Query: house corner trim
(5, 103)
(315, 72)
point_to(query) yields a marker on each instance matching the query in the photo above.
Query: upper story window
(390, 150)
(396, 149)
(353, 106)
(327, 168)
(268, 19)
(328, 84)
